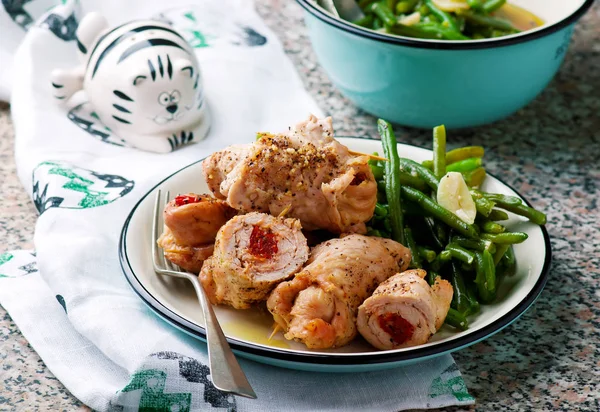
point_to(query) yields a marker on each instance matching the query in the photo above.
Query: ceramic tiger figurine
(142, 80)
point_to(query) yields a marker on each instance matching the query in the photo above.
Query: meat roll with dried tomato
(191, 225)
(318, 307)
(253, 253)
(404, 310)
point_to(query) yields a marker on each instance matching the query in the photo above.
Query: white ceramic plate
(248, 330)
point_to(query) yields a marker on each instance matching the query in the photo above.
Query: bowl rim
(343, 359)
(522, 37)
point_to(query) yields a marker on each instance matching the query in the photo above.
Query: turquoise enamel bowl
(424, 83)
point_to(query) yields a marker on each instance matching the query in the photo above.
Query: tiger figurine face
(143, 80)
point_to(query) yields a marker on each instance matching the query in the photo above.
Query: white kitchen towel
(72, 302)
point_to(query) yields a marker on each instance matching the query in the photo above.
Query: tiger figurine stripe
(143, 81)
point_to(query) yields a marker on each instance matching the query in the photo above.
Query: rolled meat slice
(318, 307)
(253, 253)
(404, 310)
(191, 225)
(196, 219)
(304, 171)
(189, 258)
(219, 164)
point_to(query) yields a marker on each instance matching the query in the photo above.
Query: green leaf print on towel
(60, 184)
(151, 382)
(17, 263)
(450, 383)
(208, 24)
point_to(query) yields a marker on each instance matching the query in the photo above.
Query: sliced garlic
(453, 194)
(451, 5)
(411, 19)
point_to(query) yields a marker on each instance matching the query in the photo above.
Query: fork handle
(225, 371)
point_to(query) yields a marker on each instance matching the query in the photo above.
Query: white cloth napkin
(72, 302)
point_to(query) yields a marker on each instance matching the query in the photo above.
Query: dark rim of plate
(332, 358)
(325, 17)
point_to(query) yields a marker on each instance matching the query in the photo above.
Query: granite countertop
(549, 151)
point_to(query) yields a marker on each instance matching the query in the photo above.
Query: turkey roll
(404, 310)
(253, 253)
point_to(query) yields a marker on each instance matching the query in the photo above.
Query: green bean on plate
(454, 229)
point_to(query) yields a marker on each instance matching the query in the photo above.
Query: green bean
(484, 206)
(381, 10)
(488, 21)
(530, 213)
(439, 212)
(431, 277)
(363, 4)
(406, 6)
(415, 262)
(440, 260)
(381, 210)
(441, 231)
(405, 180)
(475, 177)
(462, 153)
(485, 278)
(365, 21)
(408, 179)
(465, 165)
(504, 199)
(497, 214)
(377, 169)
(439, 151)
(387, 224)
(392, 4)
(412, 209)
(456, 319)
(491, 6)
(460, 253)
(509, 262)
(427, 254)
(377, 23)
(412, 31)
(374, 232)
(415, 169)
(474, 4)
(446, 19)
(440, 31)
(474, 303)
(500, 251)
(434, 233)
(501, 33)
(505, 238)
(456, 155)
(424, 10)
(479, 245)
(460, 300)
(392, 179)
(487, 226)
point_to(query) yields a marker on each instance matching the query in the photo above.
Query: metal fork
(225, 371)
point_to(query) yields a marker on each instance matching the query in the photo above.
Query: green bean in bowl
(452, 227)
(446, 19)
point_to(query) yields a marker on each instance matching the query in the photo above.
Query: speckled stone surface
(549, 151)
